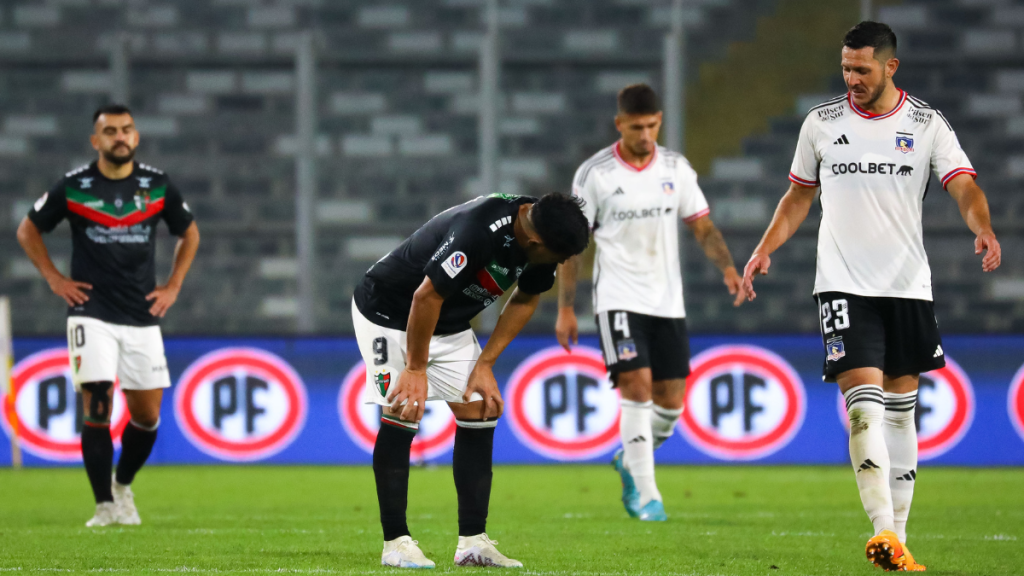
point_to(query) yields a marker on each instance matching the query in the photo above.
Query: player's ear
(95, 141)
(890, 67)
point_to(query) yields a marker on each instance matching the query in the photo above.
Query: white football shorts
(451, 359)
(102, 352)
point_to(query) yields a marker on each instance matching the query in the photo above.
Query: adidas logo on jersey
(617, 192)
(938, 351)
(842, 140)
(499, 223)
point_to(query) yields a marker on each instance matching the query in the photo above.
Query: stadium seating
(212, 85)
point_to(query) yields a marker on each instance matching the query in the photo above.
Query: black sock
(136, 444)
(98, 455)
(391, 471)
(471, 465)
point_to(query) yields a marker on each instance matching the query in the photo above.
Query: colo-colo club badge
(742, 403)
(48, 413)
(240, 404)
(361, 420)
(945, 410)
(562, 406)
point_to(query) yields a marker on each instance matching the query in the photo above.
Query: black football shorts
(631, 341)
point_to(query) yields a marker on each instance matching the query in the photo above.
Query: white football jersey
(873, 173)
(634, 215)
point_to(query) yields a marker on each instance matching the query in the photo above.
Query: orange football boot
(886, 552)
(911, 565)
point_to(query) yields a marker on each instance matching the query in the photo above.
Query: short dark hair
(874, 34)
(638, 99)
(559, 220)
(113, 109)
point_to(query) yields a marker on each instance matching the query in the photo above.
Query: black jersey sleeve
(176, 212)
(465, 250)
(537, 279)
(50, 209)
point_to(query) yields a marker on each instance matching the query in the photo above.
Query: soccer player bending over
(114, 304)
(411, 317)
(870, 152)
(636, 193)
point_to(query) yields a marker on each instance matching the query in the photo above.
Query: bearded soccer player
(114, 305)
(636, 192)
(870, 152)
(411, 316)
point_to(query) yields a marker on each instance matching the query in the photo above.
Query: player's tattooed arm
(711, 241)
(974, 209)
(163, 297)
(31, 241)
(566, 326)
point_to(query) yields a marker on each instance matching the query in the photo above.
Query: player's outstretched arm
(31, 241)
(566, 327)
(974, 209)
(412, 382)
(163, 297)
(790, 213)
(517, 312)
(711, 240)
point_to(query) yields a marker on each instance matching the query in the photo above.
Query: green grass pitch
(556, 519)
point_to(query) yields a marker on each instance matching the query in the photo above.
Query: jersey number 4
(842, 318)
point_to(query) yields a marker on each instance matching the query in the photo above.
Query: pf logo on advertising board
(49, 412)
(240, 404)
(361, 421)
(742, 403)
(1015, 402)
(562, 406)
(945, 410)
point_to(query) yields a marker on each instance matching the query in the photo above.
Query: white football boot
(125, 501)
(403, 552)
(480, 550)
(106, 514)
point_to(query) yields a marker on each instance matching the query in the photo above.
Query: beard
(874, 96)
(119, 155)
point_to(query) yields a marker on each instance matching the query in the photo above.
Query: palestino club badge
(945, 410)
(361, 421)
(49, 412)
(742, 403)
(240, 404)
(1015, 401)
(562, 405)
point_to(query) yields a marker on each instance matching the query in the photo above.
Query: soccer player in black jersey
(411, 316)
(114, 304)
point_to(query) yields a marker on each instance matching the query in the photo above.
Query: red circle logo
(47, 410)
(240, 404)
(361, 420)
(742, 403)
(945, 410)
(562, 406)
(1015, 402)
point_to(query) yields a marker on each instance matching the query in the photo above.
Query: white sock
(866, 408)
(663, 423)
(900, 434)
(638, 449)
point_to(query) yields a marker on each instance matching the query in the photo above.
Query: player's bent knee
(97, 410)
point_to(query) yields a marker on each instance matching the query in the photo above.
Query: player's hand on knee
(163, 298)
(986, 242)
(412, 390)
(482, 382)
(758, 265)
(567, 329)
(70, 290)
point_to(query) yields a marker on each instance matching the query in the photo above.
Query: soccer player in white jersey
(870, 152)
(636, 192)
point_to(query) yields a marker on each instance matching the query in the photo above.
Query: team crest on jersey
(383, 380)
(626, 350)
(668, 187)
(142, 199)
(835, 349)
(86, 182)
(144, 181)
(454, 264)
(904, 143)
